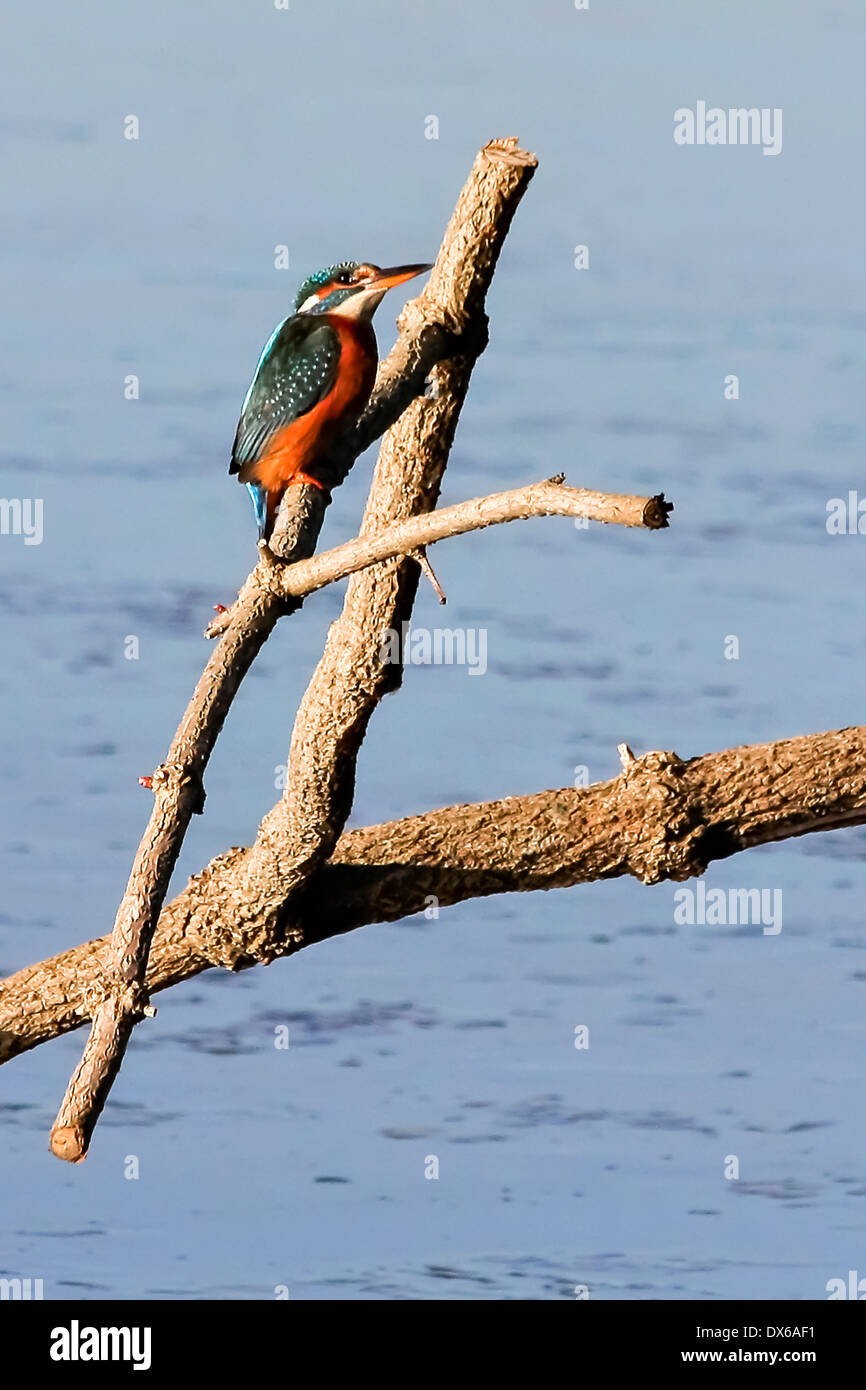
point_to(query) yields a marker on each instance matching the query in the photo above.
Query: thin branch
(429, 573)
(519, 504)
(662, 818)
(119, 999)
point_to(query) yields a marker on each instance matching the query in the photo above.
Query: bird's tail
(261, 508)
(266, 504)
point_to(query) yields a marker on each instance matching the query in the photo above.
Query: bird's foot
(305, 479)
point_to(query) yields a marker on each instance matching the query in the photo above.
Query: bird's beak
(395, 275)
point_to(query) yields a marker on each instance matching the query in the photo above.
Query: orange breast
(309, 437)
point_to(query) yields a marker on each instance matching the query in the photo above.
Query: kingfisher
(312, 382)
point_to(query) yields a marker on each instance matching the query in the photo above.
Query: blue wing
(296, 370)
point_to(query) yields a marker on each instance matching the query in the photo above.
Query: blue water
(450, 1038)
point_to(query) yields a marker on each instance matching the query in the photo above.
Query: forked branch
(447, 318)
(403, 538)
(662, 818)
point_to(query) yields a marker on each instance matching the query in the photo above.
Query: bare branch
(519, 504)
(354, 673)
(118, 999)
(660, 819)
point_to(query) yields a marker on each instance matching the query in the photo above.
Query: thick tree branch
(660, 819)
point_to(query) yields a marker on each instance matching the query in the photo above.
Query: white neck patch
(361, 305)
(308, 304)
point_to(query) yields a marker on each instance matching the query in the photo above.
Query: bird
(313, 379)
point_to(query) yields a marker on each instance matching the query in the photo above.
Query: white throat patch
(360, 305)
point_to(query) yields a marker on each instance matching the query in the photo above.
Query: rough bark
(447, 318)
(406, 538)
(662, 818)
(299, 834)
(304, 880)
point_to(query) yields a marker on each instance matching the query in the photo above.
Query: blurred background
(155, 257)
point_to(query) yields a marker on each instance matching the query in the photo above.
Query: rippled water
(557, 1167)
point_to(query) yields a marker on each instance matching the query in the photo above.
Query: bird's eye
(344, 278)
